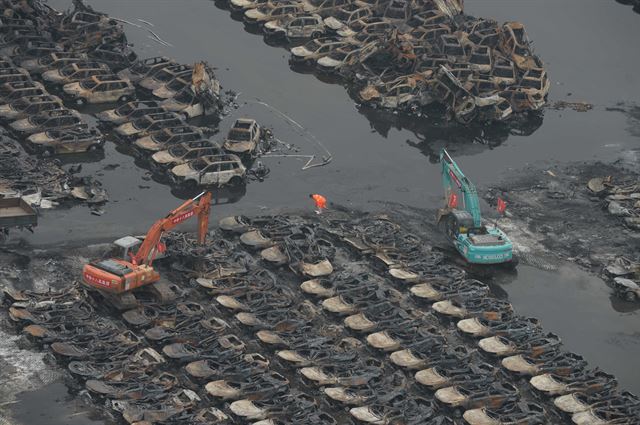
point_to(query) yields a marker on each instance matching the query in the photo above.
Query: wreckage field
(321, 321)
(365, 313)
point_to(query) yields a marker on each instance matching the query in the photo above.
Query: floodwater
(590, 48)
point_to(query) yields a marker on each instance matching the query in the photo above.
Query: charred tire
(630, 296)
(48, 152)
(81, 101)
(190, 184)
(316, 34)
(235, 181)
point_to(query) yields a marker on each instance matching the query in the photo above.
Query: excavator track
(163, 291)
(122, 302)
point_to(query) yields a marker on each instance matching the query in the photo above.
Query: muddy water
(590, 50)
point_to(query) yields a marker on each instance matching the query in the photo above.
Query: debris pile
(622, 200)
(42, 182)
(82, 57)
(361, 311)
(410, 55)
(593, 221)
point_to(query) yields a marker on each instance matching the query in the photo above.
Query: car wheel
(93, 148)
(186, 116)
(123, 99)
(48, 152)
(81, 101)
(630, 296)
(235, 181)
(190, 184)
(316, 34)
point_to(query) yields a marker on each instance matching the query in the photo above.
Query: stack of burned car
(41, 44)
(407, 55)
(37, 117)
(185, 153)
(621, 199)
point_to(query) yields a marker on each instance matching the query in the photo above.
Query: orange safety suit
(321, 201)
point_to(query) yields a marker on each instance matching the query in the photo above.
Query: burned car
(185, 152)
(16, 89)
(48, 120)
(216, 170)
(53, 142)
(129, 112)
(145, 68)
(53, 60)
(30, 49)
(29, 105)
(405, 92)
(148, 124)
(338, 58)
(169, 90)
(243, 137)
(166, 137)
(346, 15)
(295, 28)
(165, 75)
(265, 13)
(188, 104)
(75, 72)
(315, 49)
(115, 56)
(515, 43)
(14, 74)
(100, 89)
(323, 7)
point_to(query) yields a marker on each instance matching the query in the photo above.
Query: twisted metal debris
(330, 320)
(410, 56)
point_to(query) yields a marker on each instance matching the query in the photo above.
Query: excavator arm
(149, 248)
(453, 175)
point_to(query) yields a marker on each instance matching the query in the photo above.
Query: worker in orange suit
(321, 202)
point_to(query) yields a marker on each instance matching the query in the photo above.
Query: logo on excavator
(182, 217)
(93, 279)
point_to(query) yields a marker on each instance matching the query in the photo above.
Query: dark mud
(554, 208)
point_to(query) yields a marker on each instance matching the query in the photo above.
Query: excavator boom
(452, 173)
(188, 209)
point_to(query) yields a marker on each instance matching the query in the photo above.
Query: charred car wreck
(410, 55)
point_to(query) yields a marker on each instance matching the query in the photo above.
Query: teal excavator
(477, 243)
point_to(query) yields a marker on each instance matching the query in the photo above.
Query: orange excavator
(115, 278)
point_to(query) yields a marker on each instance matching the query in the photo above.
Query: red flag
(502, 206)
(453, 200)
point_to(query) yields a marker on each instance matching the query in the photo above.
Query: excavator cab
(126, 245)
(457, 222)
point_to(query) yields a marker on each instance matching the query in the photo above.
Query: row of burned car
(68, 54)
(406, 55)
(37, 43)
(186, 151)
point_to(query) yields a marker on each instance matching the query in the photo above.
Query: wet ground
(589, 48)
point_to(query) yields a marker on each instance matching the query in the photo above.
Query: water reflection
(432, 134)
